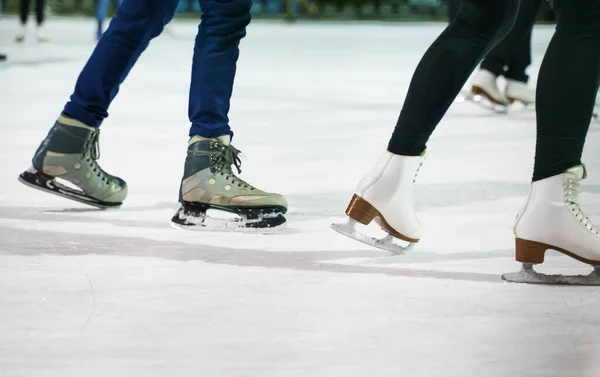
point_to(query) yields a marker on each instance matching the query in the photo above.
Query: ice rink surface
(85, 292)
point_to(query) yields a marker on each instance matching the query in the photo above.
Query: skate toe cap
(119, 195)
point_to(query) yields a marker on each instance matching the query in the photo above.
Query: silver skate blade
(387, 243)
(478, 99)
(528, 275)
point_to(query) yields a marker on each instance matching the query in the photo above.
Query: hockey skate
(67, 157)
(518, 91)
(212, 197)
(484, 92)
(552, 220)
(385, 195)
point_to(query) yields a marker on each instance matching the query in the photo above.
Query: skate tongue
(223, 139)
(578, 171)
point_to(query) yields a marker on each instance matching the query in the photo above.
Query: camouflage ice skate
(209, 183)
(69, 153)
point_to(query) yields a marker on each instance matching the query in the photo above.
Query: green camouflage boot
(69, 153)
(209, 183)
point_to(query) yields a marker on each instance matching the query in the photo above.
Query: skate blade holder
(528, 275)
(481, 100)
(386, 243)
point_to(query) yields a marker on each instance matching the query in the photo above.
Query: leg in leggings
(515, 45)
(24, 11)
(445, 68)
(39, 11)
(519, 63)
(567, 86)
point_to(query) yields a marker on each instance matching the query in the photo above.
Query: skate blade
(387, 243)
(482, 101)
(186, 219)
(528, 275)
(45, 183)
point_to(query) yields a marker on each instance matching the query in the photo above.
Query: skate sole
(48, 184)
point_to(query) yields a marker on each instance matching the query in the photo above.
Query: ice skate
(67, 157)
(20, 38)
(485, 92)
(518, 91)
(212, 197)
(42, 37)
(385, 195)
(552, 220)
(596, 111)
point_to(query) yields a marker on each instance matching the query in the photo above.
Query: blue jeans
(216, 51)
(102, 11)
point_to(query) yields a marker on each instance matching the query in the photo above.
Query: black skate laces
(94, 154)
(228, 156)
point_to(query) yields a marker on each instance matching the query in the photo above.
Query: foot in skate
(41, 35)
(385, 195)
(65, 164)
(20, 38)
(213, 197)
(518, 91)
(485, 92)
(553, 220)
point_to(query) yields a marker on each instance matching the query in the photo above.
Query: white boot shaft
(22, 34)
(388, 188)
(519, 91)
(552, 217)
(484, 83)
(41, 35)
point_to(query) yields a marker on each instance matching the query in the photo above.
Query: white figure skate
(518, 91)
(552, 220)
(385, 195)
(485, 92)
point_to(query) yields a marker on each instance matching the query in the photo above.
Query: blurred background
(383, 10)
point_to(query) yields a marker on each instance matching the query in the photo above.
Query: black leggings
(514, 51)
(566, 89)
(511, 57)
(567, 86)
(478, 26)
(39, 10)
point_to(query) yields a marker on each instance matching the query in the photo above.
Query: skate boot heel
(361, 211)
(530, 251)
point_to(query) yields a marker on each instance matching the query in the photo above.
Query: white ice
(99, 293)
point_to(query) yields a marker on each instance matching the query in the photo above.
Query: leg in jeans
(213, 70)
(128, 35)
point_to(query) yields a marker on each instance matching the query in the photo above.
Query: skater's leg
(101, 11)
(521, 60)
(567, 86)
(208, 179)
(446, 66)
(213, 70)
(128, 35)
(24, 11)
(40, 11)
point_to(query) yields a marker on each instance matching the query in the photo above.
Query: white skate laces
(572, 200)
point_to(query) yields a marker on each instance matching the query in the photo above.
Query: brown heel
(361, 211)
(530, 251)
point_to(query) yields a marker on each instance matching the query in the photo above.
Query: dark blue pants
(135, 24)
